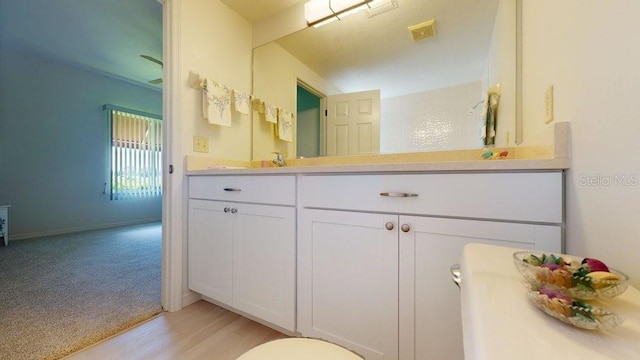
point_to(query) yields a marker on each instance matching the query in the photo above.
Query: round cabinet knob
(234, 210)
(405, 227)
(389, 226)
(227, 209)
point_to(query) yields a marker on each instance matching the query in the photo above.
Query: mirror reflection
(385, 91)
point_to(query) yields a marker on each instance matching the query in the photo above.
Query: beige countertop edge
(442, 166)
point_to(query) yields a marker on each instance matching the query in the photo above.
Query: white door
(210, 249)
(353, 123)
(348, 281)
(264, 262)
(430, 322)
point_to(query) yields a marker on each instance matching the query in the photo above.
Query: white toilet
(298, 349)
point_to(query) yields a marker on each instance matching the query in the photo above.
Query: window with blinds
(136, 153)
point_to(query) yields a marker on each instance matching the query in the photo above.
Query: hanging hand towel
(270, 113)
(242, 102)
(285, 126)
(257, 105)
(218, 104)
(491, 120)
(205, 101)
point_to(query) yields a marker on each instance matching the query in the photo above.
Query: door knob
(405, 227)
(234, 210)
(227, 209)
(389, 226)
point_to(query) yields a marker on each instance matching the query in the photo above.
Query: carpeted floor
(61, 293)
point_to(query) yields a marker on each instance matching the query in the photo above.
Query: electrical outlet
(201, 144)
(548, 105)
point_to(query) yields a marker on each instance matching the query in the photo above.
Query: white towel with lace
(241, 102)
(270, 113)
(218, 104)
(285, 125)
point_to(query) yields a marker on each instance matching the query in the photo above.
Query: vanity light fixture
(378, 7)
(321, 12)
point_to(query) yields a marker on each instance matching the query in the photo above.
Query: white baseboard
(78, 229)
(189, 298)
(251, 317)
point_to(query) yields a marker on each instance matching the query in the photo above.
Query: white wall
(588, 50)
(279, 25)
(215, 43)
(206, 37)
(53, 144)
(432, 120)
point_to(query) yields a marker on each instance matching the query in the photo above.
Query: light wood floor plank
(199, 331)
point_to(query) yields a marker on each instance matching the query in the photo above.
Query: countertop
(499, 322)
(439, 166)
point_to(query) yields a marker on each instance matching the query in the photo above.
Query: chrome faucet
(279, 160)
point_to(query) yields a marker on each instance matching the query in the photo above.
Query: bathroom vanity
(242, 243)
(374, 252)
(360, 255)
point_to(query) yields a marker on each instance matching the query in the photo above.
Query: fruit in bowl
(575, 312)
(586, 278)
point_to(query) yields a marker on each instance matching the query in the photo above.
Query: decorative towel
(285, 126)
(270, 113)
(205, 103)
(257, 105)
(491, 120)
(218, 109)
(242, 102)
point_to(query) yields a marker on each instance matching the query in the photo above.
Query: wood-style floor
(199, 331)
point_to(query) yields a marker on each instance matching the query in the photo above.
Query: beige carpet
(61, 293)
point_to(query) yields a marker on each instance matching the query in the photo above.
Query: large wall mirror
(405, 95)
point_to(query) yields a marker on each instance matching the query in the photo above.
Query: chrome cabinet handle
(226, 209)
(398, 194)
(389, 226)
(234, 210)
(456, 275)
(405, 227)
(232, 189)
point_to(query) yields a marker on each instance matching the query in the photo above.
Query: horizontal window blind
(136, 155)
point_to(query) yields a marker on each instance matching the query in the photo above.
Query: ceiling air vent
(423, 30)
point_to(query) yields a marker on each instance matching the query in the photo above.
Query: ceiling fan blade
(155, 81)
(152, 59)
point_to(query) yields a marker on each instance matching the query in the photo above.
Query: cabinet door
(430, 323)
(264, 262)
(210, 250)
(348, 281)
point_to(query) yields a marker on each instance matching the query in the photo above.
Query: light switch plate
(200, 144)
(548, 105)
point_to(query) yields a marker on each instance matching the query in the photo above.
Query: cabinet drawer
(534, 196)
(276, 190)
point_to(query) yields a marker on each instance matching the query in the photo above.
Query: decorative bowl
(577, 313)
(568, 275)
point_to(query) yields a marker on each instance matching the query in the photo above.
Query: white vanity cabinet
(210, 249)
(348, 280)
(374, 252)
(429, 302)
(241, 244)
